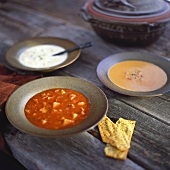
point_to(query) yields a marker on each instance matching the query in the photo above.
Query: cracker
(117, 136)
(106, 128)
(115, 153)
(113, 135)
(127, 128)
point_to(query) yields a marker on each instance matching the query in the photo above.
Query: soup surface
(137, 76)
(40, 56)
(57, 108)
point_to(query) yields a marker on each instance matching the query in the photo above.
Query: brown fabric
(5, 90)
(17, 79)
(4, 71)
(9, 81)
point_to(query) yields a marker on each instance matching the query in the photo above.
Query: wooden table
(150, 146)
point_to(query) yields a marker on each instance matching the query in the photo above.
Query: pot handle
(84, 14)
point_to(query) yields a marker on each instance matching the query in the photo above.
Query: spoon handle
(81, 46)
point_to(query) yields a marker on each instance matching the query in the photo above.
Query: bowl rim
(12, 54)
(15, 104)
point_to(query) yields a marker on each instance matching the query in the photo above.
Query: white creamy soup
(41, 56)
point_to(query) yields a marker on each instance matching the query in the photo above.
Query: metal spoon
(81, 46)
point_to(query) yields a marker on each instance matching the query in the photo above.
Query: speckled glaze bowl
(16, 102)
(132, 22)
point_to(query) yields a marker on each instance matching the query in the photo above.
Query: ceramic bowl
(127, 26)
(13, 53)
(105, 64)
(16, 103)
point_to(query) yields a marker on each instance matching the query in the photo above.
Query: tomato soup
(137, 76)
(57, 108)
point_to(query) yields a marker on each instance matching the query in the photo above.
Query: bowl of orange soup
(135, 73)
(56, 106)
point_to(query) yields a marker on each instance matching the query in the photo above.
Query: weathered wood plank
(89, 67)
(88, 72)
(68, 11)
(18, 31)
(147, 105)
(150, 142)
(81, 151)
(160, 47)
(71, 16)
(30, 25)
(149, 136)
(35, 20)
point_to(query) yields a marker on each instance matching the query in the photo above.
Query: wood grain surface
(150, 146)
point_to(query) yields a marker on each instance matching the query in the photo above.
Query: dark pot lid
(130, 10)
(131, 7)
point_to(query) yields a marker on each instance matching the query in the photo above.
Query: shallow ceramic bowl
(15, 105)
(122, 27)
(106, 63)
(13, 53)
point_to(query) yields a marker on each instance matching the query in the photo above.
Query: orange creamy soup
(137, 76)
(57, 108)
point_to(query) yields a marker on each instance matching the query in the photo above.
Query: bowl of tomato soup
(56, 106)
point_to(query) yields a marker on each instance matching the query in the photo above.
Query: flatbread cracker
(117, 136)
(112, 134)
(127, 128)
(113, 152)
(106, 128)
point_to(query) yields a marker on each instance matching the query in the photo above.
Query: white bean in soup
(40, 56)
